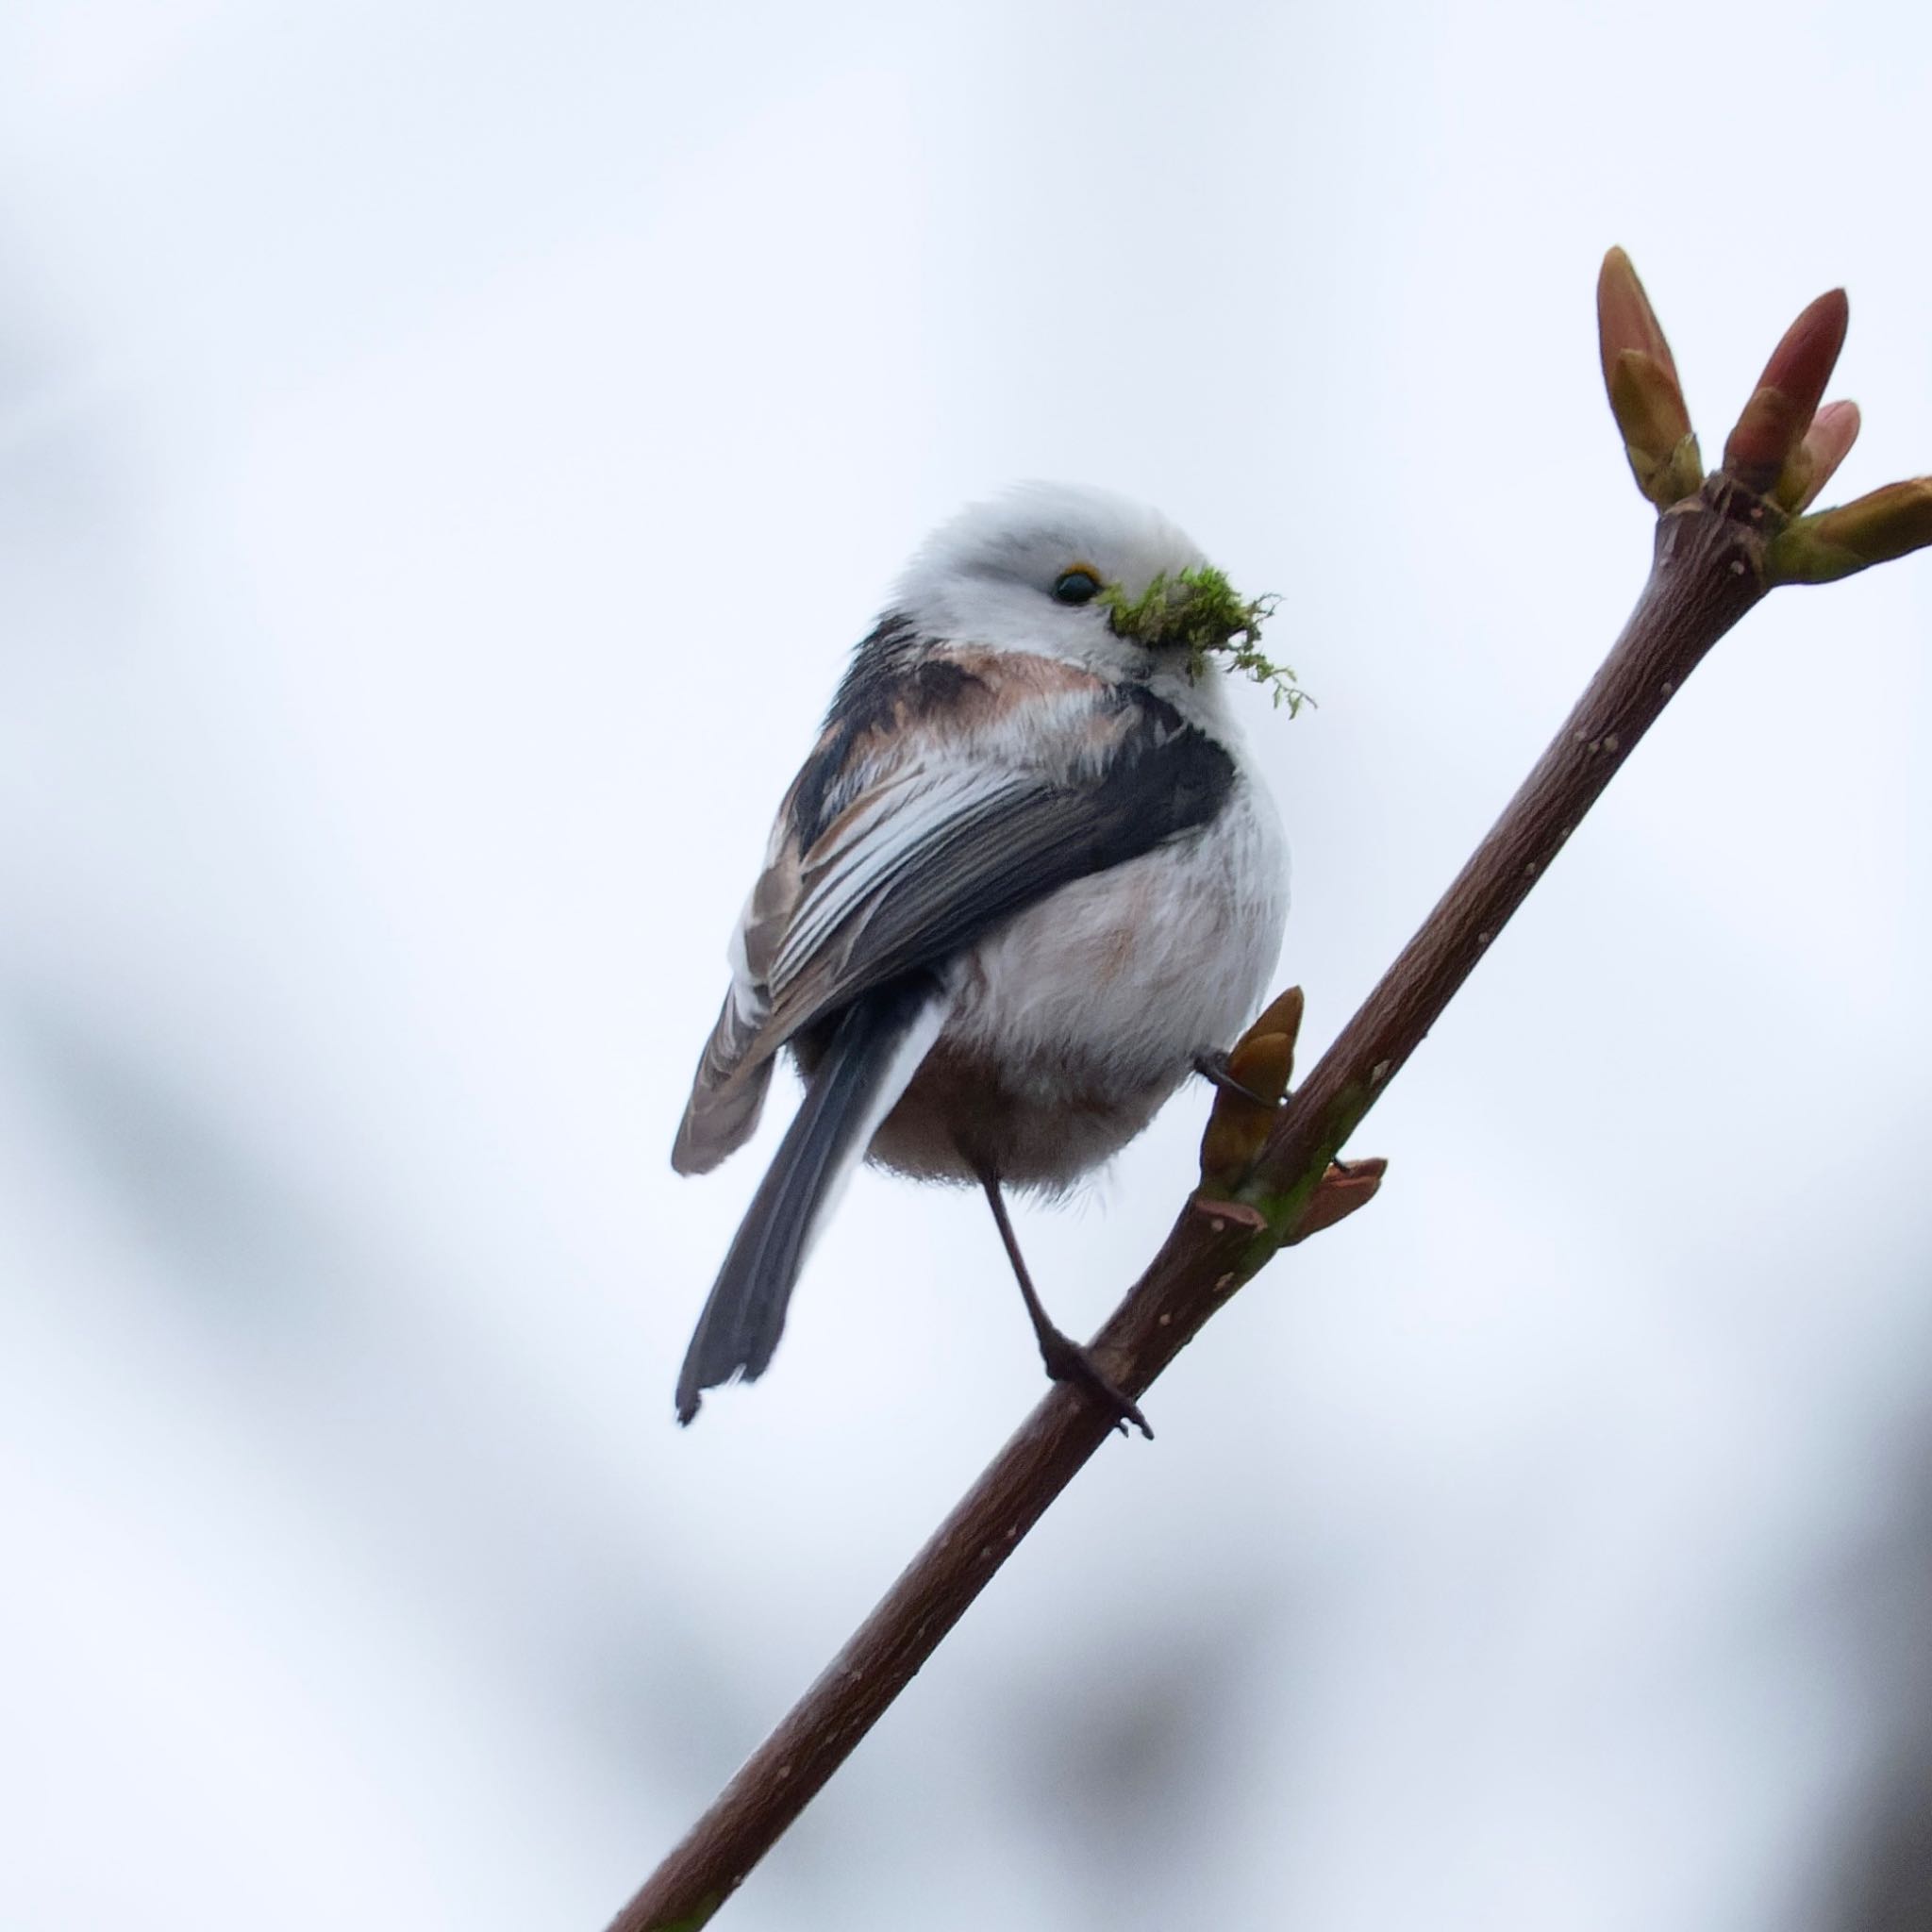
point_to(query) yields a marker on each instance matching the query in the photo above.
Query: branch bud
(1261, 1061)
(1763, 451)
(1892, 522)
(1640, 379)
(1827, 444)
(1338, 1194)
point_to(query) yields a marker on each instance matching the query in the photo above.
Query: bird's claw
(1067, 1362)
(1212, 1064)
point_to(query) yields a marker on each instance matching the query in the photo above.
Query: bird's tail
(874, 1052)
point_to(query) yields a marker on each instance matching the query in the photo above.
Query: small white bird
(1027, 880)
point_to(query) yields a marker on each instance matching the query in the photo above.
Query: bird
(1027, 880)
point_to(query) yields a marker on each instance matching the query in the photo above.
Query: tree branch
(1268, 1181)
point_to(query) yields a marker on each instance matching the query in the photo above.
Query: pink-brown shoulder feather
(982, 723)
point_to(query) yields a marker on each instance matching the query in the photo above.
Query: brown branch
(1267, 1178)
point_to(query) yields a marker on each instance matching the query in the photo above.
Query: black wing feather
(1164, 780)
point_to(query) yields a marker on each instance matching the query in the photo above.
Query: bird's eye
(1075, 587)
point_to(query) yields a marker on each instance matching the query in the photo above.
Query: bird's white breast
(1073, 1021)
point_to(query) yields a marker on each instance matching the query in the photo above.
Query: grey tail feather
(744, 1314)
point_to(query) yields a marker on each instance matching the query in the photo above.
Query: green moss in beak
(1198, 611)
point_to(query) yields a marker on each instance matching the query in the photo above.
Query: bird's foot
(1067, 1362)
(1212, 1064)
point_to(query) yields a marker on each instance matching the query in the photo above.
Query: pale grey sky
(445, 455)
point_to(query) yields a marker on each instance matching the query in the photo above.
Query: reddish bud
(1773, 423)
(1640, 379)
(1625, 320)
(1337, 1196)
(1802, 363)
(1827, 444)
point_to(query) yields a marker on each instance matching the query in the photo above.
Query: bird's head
(1066, 571)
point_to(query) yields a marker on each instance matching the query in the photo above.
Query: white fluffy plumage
(1025, 878)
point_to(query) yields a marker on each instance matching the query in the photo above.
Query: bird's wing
(922, 836)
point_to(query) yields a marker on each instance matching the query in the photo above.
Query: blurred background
(445, 455)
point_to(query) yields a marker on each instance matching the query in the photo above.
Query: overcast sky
(445, 455)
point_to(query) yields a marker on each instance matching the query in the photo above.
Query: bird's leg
(1212, 1064)
(1065, 1360)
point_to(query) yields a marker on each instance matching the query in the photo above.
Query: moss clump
(1198, 611)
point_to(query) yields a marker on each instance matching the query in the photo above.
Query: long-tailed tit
(1027, 880)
